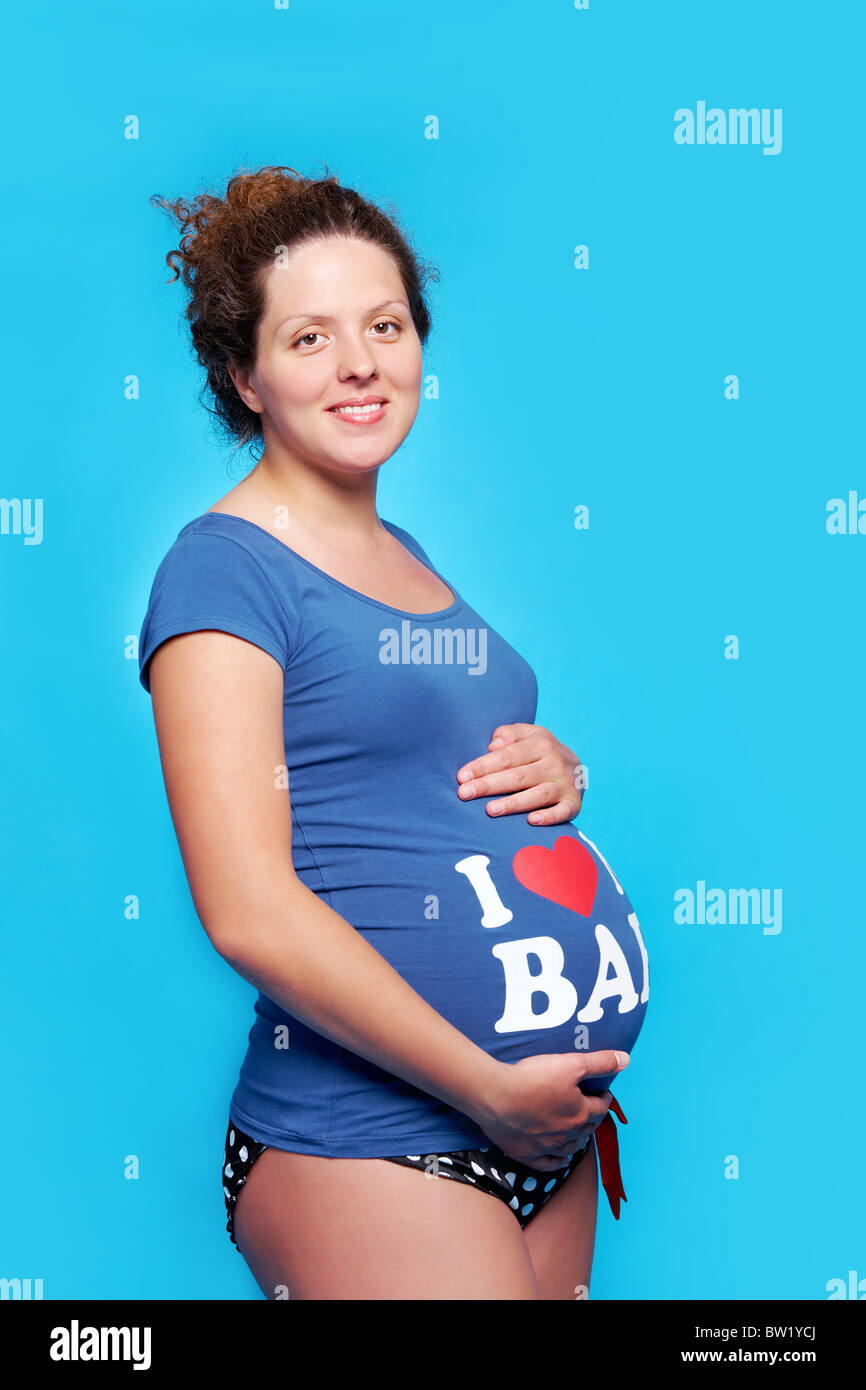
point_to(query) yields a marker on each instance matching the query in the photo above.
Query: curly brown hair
(227, 247)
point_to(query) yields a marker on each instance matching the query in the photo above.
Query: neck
(329, 504)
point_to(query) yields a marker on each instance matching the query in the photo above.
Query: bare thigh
(561, 1238)
(363, 1228)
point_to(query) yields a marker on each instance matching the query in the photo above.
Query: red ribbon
(607, 1144)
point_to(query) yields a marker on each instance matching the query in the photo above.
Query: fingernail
(496, 742)
(622, 1058)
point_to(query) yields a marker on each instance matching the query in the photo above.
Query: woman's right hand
(538, 1114)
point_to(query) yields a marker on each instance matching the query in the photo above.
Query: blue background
(556, 387)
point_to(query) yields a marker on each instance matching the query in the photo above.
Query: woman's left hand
(530, 762)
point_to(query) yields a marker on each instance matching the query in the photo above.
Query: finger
(549, 812)
(513, 778)
(526, 749)
(604, 1063)
(507, 733)
(596, 1109)
(511, 770)
(526, 795)
(547, 1162)
(566, 809)
(561, 1157)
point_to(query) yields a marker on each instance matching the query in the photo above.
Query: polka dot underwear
(525, 1190)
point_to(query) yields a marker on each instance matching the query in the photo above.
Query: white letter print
(496, 914)
(520, 985)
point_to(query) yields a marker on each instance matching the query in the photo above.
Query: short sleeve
(208, 580)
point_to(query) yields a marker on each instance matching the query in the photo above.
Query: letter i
(495, 913)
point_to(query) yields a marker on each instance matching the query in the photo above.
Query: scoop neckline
(356, 593)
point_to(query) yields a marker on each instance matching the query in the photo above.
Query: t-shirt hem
(357, 1146)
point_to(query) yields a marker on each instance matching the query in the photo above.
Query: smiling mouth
(359, 414)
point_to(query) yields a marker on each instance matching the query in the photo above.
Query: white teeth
(358, 409)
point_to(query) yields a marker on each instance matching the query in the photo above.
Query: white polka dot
(243, 1154)
(510, 1178)
(416, 1157)
(529, 1184)
(226, 1191)
(495, 1174)
(476, 1168)
(443, 1158)
(229, 1172)
(514, 1203)
(524, 1211)
(232, 1137)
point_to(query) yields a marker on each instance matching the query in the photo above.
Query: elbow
(229, 945)
(241, 931)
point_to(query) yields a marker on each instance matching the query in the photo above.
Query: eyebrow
(328, 318)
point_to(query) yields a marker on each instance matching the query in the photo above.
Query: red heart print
(566, 874)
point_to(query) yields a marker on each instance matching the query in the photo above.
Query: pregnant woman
(445, 994)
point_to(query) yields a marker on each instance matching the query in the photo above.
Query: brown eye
(382, 323)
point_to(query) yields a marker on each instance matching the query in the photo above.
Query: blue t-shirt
(520, 935)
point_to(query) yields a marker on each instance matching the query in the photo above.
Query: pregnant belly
(529, 943)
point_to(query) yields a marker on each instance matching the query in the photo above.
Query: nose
(356, 359)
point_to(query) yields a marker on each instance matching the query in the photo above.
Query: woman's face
(336, 326)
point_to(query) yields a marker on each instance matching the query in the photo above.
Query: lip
(371, 419)
(356, 400)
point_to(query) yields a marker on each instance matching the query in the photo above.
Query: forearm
(302, 954)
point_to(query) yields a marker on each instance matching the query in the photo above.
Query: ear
(242, 378)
